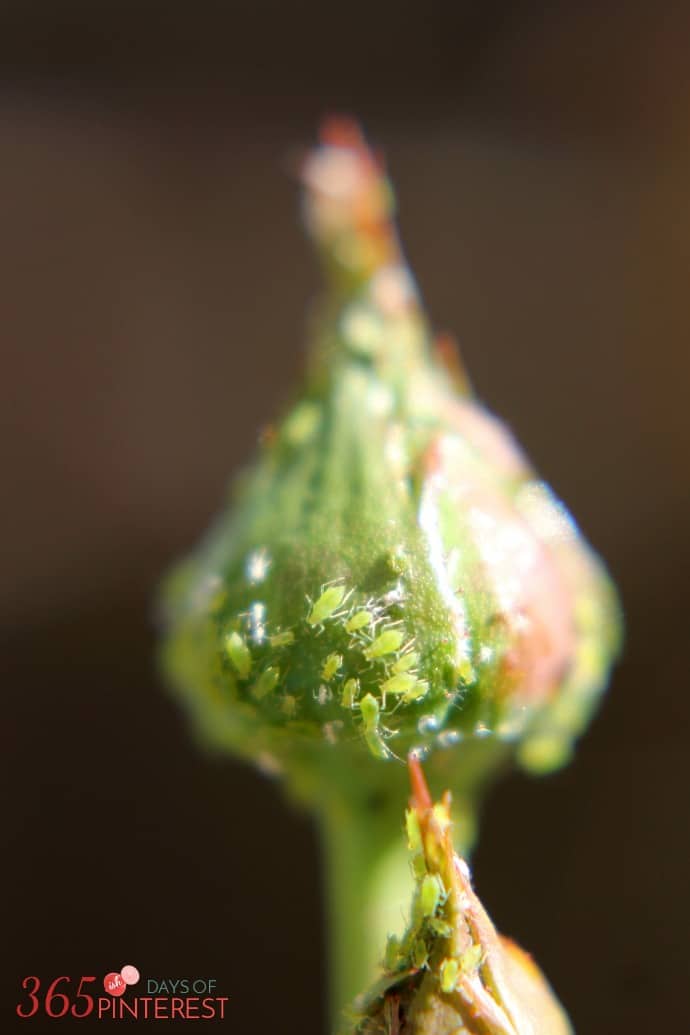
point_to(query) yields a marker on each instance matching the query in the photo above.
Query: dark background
(153, 288)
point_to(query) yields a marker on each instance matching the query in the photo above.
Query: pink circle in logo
(114, 983)
(129, 974)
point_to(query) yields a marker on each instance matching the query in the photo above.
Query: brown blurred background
(153, 289)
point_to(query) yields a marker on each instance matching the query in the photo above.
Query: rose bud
(391, 574)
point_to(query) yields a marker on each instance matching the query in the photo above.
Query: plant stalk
(368, 891)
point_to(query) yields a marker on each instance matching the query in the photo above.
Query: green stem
(368, 891)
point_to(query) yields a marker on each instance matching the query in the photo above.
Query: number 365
(55, 1004)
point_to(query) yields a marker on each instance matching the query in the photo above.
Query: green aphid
(432, 894)
(418, 866)
(267, 681)
(448, 975)
(466, 672)
(350, 693)
(386, 642)
(238, 652)
(369, 709)
(401, 683)
(329, 601)
(392, 954)
(420, 954)
(471, 958)
(282, 639)
(406, 662)
(414, 832)
(419, 689)
(441, 928)
(331, 666)
(359, 620)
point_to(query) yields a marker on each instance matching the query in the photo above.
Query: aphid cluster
(428, 920)
(368, 667)
(375, 644)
